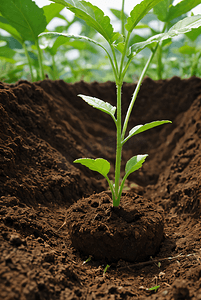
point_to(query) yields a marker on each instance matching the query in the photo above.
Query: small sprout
(154, 288)
(105, 270)
(87, 260)
(159, 264)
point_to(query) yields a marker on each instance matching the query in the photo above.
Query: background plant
(23, 20)
(90, 63)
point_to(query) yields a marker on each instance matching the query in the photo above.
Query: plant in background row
(168, 14)
(120, 55)
(23, 20)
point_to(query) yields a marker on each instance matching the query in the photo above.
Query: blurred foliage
(73, 60)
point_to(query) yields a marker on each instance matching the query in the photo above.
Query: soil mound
(132, 232)
(44, 127)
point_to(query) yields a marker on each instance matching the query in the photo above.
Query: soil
(58, 229)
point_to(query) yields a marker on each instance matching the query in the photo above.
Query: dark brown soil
(44, 126)
(132, 231)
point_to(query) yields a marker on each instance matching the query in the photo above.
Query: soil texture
(60, 237)
(132, 231)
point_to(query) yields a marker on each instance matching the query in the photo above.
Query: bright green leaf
(6, 52)
(183, 26)
(10, 29)
(142, 26)
(136, 39)
(61, 40)
(166, 12)
(51, 11)
(79, 37)
(186, 49)
(181, 8)
(193, 34)
(100, 104)
(138, 12)
(141, 128)
(161, 10)
(52, 47)
(93, 16)
(117, 13)
(154, 288)
(120, 46)
(134, 164)
(25, 16)
(99, 165)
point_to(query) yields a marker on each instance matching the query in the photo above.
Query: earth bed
(44, 127)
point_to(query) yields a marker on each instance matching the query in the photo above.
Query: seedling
(105, 270)
(120, 54)
(87, 260)
(154, 288)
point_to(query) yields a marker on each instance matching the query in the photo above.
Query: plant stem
(123, 56)
(115, 67)
(118, 146)
(136, 93)
(159, 56)
(54, 68)
(29, 61)
(122, 19)
(159, 65)
(42, 74)
(111, 187)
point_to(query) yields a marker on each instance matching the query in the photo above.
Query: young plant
(87, 260)
(105, 270)
(120, 55)
(154, 288)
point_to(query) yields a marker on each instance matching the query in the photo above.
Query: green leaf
(181, 8)
(10, 29)
(52, 46)
(141, 128)
(117, 13)
(99, 165)
(183, 26)
(193, 34)
(120, 46)
(134, 164)
(138, 12)
(51, 11)
(93, 16)
(100, 104)
(161, 10)
(25, 16)
(142, 26)
(136, 39)
(154, 288)
(79, 37)
(186, 49)
(166, 12)
(6, 52)
(61, 40)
